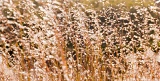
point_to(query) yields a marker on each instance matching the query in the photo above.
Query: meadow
(85, 40)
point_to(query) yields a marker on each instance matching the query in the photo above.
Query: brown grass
(65, 41)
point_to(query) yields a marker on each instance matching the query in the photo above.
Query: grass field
(65, 40)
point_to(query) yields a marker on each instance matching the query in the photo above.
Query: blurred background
(99, 4)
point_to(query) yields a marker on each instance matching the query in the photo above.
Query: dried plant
(62, 40)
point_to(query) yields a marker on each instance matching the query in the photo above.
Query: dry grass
(65, 41)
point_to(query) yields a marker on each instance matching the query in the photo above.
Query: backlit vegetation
(62, 40)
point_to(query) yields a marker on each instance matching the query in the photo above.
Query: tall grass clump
(65, 40)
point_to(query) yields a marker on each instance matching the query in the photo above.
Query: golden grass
(66, 41)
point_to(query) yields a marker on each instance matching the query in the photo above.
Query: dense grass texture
(65, 40)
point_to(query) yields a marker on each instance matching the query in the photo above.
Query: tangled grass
(65, 41)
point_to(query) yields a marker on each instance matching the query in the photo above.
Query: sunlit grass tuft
(68, 41)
